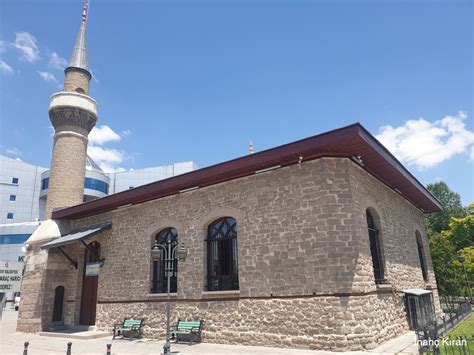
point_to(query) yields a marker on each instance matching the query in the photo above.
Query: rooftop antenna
(250, 147)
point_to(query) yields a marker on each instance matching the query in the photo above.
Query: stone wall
(44, 271)
(397, 220)
(295, 234)
(66, 181)
(330, 323)
(305, 270)
(76, 80)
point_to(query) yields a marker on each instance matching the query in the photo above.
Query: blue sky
(196, 80)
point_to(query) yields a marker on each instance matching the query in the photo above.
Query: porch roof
(77, 235)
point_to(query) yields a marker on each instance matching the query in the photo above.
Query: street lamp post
(170, 254)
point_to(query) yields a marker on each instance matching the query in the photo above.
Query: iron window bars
(375, 249)
(222, 268)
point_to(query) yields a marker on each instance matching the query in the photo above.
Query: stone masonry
(305, 269)
(66, 187)
(77, 81)
(73, 114)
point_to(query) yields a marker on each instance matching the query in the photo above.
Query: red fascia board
(337, 143)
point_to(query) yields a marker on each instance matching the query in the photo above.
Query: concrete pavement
(12, 343)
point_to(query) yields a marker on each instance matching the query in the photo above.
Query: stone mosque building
(318, 244)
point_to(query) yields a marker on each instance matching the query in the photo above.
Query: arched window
(421, 255)
(375, 249)
(168, 239)
(222, 270)
(58, 304)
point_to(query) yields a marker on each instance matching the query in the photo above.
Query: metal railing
(450, 320)
(460, 345)
(432, 338)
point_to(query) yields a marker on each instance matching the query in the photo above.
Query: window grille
(375, 249)
(222, 267)
(421, 255)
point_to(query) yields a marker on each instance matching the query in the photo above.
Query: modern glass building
(20, 184)
(24, 189)
(12, 238)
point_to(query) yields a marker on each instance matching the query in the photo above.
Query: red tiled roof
(350, 141)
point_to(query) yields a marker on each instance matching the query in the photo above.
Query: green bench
(130, 328)
(187, 331)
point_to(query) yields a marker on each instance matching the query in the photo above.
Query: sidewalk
(12, 343)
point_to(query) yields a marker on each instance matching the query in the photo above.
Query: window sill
(161, 296)
(384, 287)
(220, 294)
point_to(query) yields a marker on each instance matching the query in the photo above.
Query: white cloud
(126, 132)
(57, 62)
(103, 134)
(3, 46)
(13, 151)
(5, 68)
(28, 45)
(48, 77)
(108, 159)
(426, 144)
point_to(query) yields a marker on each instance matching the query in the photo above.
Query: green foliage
(461, 230)
(448, 273)
(446, 249)
(452, 207)
(468, 269)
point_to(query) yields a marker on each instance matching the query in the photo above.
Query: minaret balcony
(72, 109)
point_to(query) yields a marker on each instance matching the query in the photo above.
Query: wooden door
(89, 287)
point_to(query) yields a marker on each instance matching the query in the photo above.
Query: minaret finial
(250, 147)
(85, 11)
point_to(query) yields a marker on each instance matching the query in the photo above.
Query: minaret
(73, 114)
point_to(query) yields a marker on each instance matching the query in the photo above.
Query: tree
(452, 207)
(452, 252)
(447, 270)
(461, 230)
(468, 254)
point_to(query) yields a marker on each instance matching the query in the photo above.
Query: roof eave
(389, 157)
(288, 154)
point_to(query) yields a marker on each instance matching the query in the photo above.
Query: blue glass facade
(89, 183)
(97, 185)
(13, 238)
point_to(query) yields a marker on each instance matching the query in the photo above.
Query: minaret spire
(79, 58)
